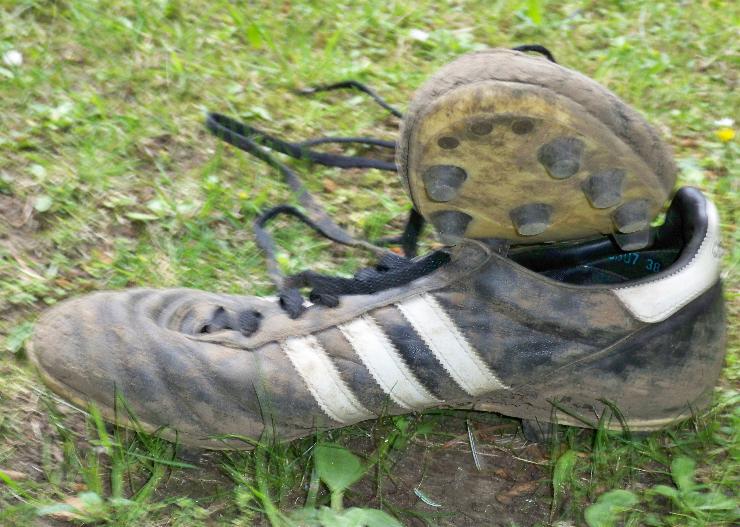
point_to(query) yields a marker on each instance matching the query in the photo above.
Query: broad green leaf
(682, 471)
(91, 504)
(618, 498)
(337, 467)
(600, 515)
(330, 518)
(609, 507)
(665, 490)
(716, 501)
(90, 500)
(42, 203)
(370, 518)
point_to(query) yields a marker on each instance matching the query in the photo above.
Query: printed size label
(636, 259)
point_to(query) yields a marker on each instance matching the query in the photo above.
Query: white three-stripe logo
(323, 380)
(449, 345)
(386, 365)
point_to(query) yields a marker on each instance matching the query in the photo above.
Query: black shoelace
(392, 270)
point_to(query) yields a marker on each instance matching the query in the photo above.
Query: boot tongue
(212, 318)
(200, 318)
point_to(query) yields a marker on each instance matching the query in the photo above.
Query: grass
(108, 180)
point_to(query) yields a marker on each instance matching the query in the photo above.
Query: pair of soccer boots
(553, 299)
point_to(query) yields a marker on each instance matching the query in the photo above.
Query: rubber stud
(522, 126)
(632, 216)
(634, 241)
(442, 182)
(561, 157)
(481, 126)
(604, 189)
(448, 142)
(531, 219)
(450, 225)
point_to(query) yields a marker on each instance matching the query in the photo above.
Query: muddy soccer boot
(563, 332)
(507, 145)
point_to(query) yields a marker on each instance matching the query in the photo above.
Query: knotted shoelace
(392, 269)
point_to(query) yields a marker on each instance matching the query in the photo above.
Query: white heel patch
(659, 299)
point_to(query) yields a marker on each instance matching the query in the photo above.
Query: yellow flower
(725, 134)
(242, 195)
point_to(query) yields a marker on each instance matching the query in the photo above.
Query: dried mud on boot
(500, 144)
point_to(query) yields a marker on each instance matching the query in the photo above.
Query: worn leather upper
(480, 328)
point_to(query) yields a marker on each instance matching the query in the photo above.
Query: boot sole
(487, 152)
(541, 413)
(545, 416)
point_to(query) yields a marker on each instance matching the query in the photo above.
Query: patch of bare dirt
(30, 441)
(17, 228)
(441, 480)
(16, 214)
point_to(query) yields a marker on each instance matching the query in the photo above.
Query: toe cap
(112, 346)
